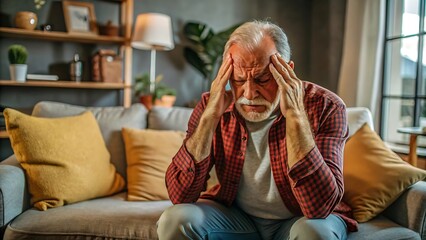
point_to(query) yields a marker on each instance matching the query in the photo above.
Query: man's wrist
(297, 117)
(198, 145)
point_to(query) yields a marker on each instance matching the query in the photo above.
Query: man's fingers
(278, 77)
(283, 67)
(223, 75)
(224, 66)
(225, 72)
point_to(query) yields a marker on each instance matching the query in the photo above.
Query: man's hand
(199, 144)
(300, 140)
(290, 87)
(220, 99)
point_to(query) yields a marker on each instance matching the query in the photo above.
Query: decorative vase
(26, 20)
(18, 72)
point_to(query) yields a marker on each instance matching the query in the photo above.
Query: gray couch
(115, 218)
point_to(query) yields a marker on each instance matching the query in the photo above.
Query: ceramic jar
(26, 20)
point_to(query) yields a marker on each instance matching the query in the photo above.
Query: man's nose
(250, 90)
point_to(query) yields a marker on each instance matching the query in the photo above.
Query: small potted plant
(17, 55)
(162, 96)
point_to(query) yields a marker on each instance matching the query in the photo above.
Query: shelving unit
(3, 134)
(123, 42)
(66, 84)
(59, 36)
(126, 9)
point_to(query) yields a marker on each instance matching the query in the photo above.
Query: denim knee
(312, 229)
(180, 221)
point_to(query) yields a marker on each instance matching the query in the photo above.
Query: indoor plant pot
(162, 96)
(17, 55)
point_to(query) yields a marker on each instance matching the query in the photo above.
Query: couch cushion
(357, 116)
(374, 175)
(65, 159)
(110, 120)
(105, 218)
(382, 228)
(149, 154)
(166, 118)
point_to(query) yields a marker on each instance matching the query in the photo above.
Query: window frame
(419, 75)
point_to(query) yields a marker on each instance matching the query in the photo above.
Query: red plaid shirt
(313, 187)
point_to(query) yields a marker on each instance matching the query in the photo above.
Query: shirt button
(190, 169)
(240, 153)
(243, 138)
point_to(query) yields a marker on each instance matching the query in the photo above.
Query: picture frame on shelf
(80, 17)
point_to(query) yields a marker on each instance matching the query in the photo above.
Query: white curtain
(361, 68)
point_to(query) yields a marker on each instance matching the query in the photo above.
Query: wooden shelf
(65, 84)
(125, 24)
(3, 134)
(60, 36)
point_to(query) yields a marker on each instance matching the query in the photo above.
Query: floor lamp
(153, 31)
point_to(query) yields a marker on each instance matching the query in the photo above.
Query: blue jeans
(209, 220)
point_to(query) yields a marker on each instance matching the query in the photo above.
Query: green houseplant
(162, 96)
(206, 48)
(17, 55)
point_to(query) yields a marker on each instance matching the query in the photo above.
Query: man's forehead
(240, 71)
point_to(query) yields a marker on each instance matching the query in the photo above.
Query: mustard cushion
(65, 159)
(149, 154)
(374, 176)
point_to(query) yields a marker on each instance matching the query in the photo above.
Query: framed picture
(80, 17)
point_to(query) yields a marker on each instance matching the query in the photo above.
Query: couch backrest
(112, 119)
(357, 116)
(165, 118)
(176, 118)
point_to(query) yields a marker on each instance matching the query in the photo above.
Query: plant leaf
(197, 33)
(192, 57)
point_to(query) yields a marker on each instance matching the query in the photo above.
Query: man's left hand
(290, 87)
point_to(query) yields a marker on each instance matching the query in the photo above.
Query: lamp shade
(153, 31)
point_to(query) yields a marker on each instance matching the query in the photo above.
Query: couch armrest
(409, 210)
(14, 198)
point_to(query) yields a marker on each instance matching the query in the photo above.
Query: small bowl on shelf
(109, 29)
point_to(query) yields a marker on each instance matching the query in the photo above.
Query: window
(404, 72)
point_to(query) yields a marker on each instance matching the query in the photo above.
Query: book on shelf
(42, 77)
(2, 122)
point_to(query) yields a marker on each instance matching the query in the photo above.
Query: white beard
(252, 116)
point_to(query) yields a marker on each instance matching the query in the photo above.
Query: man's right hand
(220, 99)
(199, 144)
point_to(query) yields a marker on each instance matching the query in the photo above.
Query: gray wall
(220, 14)
(314, 29)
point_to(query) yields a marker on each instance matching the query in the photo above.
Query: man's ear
(291, 63)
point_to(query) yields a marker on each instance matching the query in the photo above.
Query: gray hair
(250, 34)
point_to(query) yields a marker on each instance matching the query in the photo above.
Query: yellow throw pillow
(65, 159)
(149, 154)
(374, 175)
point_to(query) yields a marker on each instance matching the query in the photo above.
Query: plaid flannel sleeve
(185, 179)
(317, 179)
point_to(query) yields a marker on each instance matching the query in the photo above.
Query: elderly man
(276, 143)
